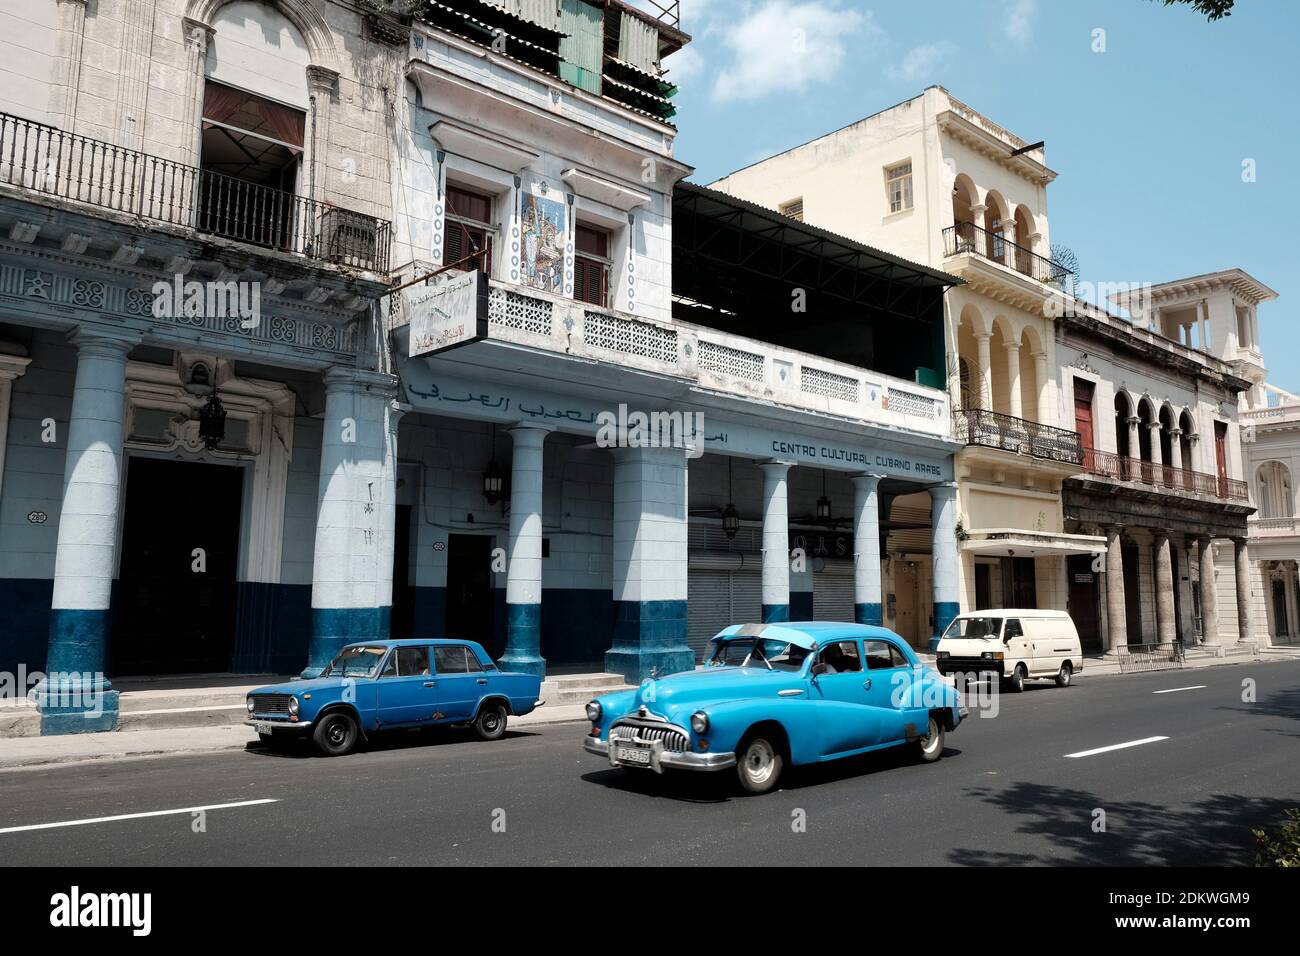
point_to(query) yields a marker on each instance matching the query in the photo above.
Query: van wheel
(335, 734)
(1018, 678)
(1064, 675)
(930, 747)
(759, 765)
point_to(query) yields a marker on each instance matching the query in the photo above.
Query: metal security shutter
(833, 592)
(718, 599)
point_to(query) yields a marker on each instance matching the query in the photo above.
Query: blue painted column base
(649, 640)
(776, 613)
(944, 612)
(332, 629)
(76, 697)
(867, 614)
(523, 654)
(72, 708)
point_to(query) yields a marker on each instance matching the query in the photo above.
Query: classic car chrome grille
(674, 739)
(270, 703)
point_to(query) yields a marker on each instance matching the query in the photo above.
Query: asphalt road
(1004, 793)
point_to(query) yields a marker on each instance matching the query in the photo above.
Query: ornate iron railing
(978, 426)
(1120, 468)
(51, 161)
(966, 237)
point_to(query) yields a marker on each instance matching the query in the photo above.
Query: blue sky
(1148, 137)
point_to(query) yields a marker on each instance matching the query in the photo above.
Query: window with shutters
(469, 229)
(591, 265)
(898, 186)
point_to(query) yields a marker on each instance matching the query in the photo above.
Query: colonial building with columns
(1271, 432)
(196, 417)
(946, 186)
(613, 289)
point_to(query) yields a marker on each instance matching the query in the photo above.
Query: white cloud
(921, 62)
(783, 46)
(684, 65)
(1018, 20)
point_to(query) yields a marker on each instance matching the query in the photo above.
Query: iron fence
(966, 237)
(979, 426)
(1111, 465)
(1135, 658)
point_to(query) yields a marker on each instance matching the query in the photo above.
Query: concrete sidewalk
(21, 752)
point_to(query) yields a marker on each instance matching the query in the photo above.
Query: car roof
(411, 642)
(807, 633)
(1014, 612)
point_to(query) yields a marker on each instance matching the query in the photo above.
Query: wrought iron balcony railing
(966, 237)
(978, 426)
(1120, 468)
(69, 166)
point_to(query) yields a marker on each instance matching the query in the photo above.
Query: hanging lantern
(212, 422)
(823, 503)
(730, 521)
(493, 483)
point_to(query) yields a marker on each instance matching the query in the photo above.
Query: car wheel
(490, 724)
(335, 734)
(1018, 678)
(759, 764)
(930, 747)
(1064, 675)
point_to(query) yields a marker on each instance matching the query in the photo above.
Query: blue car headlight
(593, 712)
(700, 722)
(293, 706)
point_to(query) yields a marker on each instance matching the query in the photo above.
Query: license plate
(632, 754)
(264, 726)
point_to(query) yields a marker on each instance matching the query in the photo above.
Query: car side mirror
(818, 669)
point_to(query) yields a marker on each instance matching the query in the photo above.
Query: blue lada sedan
(383, 685)
(773, 695)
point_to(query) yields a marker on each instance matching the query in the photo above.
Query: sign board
(451, 310)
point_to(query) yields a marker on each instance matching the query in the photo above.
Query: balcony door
(1083, 392)
(1221, 456)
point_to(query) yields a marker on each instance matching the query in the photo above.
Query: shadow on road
(380, 743)
(1213, 831)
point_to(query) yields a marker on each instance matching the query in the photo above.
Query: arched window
(1273, 490)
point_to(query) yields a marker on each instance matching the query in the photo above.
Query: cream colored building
(935, 181)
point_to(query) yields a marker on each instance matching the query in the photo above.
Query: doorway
(1132, 594)
(470, 601)
(1084, 600)
(403, 614)
(175, 607)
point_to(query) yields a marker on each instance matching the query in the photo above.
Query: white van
(1015, 643)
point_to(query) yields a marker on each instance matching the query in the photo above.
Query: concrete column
(1203, 314)
(1245, 630)
(866, 550)
(524, 567)
(1166, 625)
(1176, 449)
(650, 564)
(321, 83)
(197, 37)
(1134, 444)
(12, 367)
(1015, 407)
(1043, 409)
(946, 560)
(985, 384)
(1209, 600)
(352, 566)
(1157, 453)
(76, 696)
(776, 542)
(71, 22)
(1116, 607)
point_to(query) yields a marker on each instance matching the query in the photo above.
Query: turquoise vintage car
(384, 685)
(772, 695)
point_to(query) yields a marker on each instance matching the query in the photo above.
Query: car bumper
(665, 760)
(968, 665)
(279, 726)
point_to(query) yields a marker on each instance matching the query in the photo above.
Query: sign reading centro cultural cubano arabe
(451, 310)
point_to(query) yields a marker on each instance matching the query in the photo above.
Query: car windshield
(751, 652)
(355, 662)
(984, 627)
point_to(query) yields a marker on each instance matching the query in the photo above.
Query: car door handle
(482, 680)
(429, 683)
(866, 685)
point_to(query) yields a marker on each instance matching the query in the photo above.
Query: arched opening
(970, 368)
(1024, 241)
(1166, 438)
(1185, 440)
(1030, 386)
(1123, 444)
(1273, 491)
(995, 214)
(999, 361)
(1146, 416)
(965, 197)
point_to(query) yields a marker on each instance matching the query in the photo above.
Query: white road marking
(1131, 743)
(1174, 690)
(134, 816)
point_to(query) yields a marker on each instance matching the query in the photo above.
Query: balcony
(966, 238)
(64, 165)
(985, 429)
(1275, 527)
(1116, 467)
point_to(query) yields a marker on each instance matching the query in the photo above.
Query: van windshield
(987, 628)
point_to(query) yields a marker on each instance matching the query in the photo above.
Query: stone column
(1176, 452)
(352, 570)
(321, 83)
(71, 21)
(866, 550)
(197, 37)
(1116, 606)
(1157, 453)
(650, 564)
(1245, 630)
(76, 696)
(776, 543)
(946, 558)
(12, 368)
(1134, 444)
(1209, 599)
(1014, 405)
(1043, 410)
(985, 384)
(524, 568)
(1166, 625)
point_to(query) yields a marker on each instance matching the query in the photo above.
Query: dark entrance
(168, 617)
(1019, 583)
(469, 589)
(983, 586)
(403, 619)
(1176, 565)
(1132, 595)
(1084, 600)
